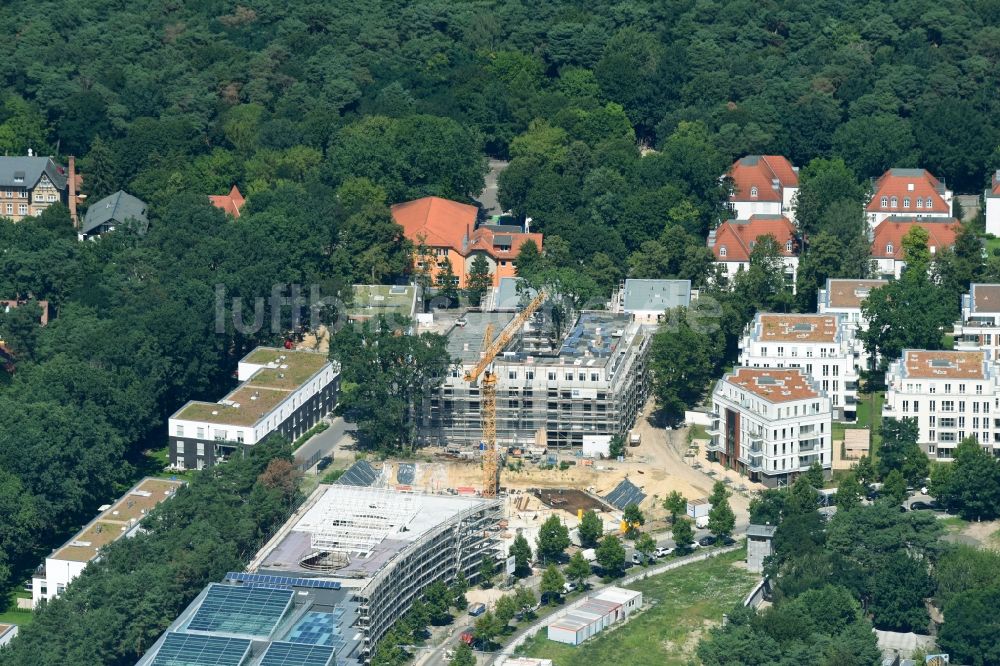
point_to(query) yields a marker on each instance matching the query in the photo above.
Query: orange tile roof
(230, 203)
(761, 171)
(890, 232)
(994, 189)
(441, 222)
(923, 364)
(737, 235)
(445, 223)
(774, 384)
(797, 327)
(908, 184)
(849, 293)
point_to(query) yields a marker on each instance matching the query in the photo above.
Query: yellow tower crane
(488, 390)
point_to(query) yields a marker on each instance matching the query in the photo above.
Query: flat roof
(796, 327)
(369, 525)
(941, 364)
(373, 300)
(618, 595)
(985, 298)
(4, 628)
(116, 520)
(774, 384)
(656, 295)
(283, 372)
(849, 293)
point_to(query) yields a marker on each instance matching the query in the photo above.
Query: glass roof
(247, 611)
(200, 650)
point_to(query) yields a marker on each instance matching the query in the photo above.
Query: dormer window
(906, 202)
(929, 204)
(894, 202)
(920, 202)
(788, 245)
(885, 202)
(888, 249)
(753, 191)
(722, 251)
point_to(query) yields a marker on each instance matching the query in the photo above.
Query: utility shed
(575, 627)
(759, 538)
(630, 600)
(698, 508)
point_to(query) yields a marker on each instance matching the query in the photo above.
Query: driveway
(324, 443)
(488, 197)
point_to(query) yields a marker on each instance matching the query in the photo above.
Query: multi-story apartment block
(283, 391)
(979, 326)
(845, 297)
(771, 424)
(589, 386)
(123, 518)
(908, 192)
(733, 241)
(820, 344)
(29, 185)
(763, 184)
(953, 394)
(887, 240)
(450, 230)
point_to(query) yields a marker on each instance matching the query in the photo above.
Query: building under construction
(587, 384)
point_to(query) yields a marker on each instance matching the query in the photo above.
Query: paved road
(325, 442)
(488, 197)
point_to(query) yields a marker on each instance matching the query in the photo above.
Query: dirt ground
(569, 500)
(981, 535)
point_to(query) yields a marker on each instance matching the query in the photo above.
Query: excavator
(487, 379)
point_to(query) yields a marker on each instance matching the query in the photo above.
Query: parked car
(324, 462)
(475, 610)
(636, 558)
(568, 587)
(924, 506)
(727, 540)
(707, 540)
(663, 552)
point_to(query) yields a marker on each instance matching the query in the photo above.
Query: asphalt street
(325, 442)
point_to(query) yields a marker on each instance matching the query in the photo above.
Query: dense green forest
(326, 112)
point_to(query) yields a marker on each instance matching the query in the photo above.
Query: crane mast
(488, 390)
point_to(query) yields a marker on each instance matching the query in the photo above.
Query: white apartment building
(979, 327)
(763, 184)
(953, 394)
(123, 518)
(285, 391)
(820, 344)
(845, 297)
(771, 424)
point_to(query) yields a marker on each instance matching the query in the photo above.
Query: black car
(707, 540)
(324, 462)
(924, 506)
(727, 540)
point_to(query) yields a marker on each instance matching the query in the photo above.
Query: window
(530, 374)
(18, 178)
(888, 248)
(885, 202)
(894, 202)
(22, 209)
(180, 431)
(920, 202)
(201, 448)
(788, 245)
(201, 433)
(239, 436)
(722, 251)
(906, 202)
(906, 406)
(753, 191)
(180, 448)
(552, 376)
(10, 209)
(928, 204)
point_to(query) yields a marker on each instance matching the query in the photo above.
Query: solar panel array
(197, 650)
(625, 493)
(360, 474)
(295, 654)
(265, 580)
(234, 609)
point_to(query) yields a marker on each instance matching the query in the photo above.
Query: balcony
(806, 461)
(756, 463)
(713, 427)
(756, 444)
(809, 445)
(714, 444)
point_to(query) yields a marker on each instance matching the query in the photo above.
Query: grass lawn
(699, 432)
(14, 616)
(685, 602)
(870, 416)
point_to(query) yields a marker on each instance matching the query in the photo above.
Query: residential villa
(763, 184)
(887, 240)
(230, 203)
(908, 192)
(449, 230)
(734, 240)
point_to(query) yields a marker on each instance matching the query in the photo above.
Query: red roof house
(887, 241)
(908, 192)
(230, 203)
(763, 184)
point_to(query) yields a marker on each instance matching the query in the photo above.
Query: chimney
(72, 192)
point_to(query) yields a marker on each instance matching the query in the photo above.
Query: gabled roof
(229, 203)
(486, 239)
(116, 207)
(909, 184)
(993, 191)
(442, 223)
(890, 233)
(763, 172)
(737, 236)
(24, 171)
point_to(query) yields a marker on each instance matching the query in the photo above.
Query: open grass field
(686, 602)
(13, 616)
